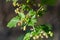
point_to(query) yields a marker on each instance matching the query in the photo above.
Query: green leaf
(48, 2)
(27, 36)
(31, 13)
(33, 17)
(23, 6)
(49, 26)
(32, 21)
(21, 15)
(40, 13)
(13, 22)
(45, 28)
(31, 24)
(28, 1)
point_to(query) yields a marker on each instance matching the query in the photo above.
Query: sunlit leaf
(32, 21)
(21, 15)
(13, 22)
(23, 6)
(28, 1)
(27, 36)
(31, 13)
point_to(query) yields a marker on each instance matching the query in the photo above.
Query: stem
(34, 29)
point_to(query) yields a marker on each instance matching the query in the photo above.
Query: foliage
(27, 36)
(27, 17)
(13, 22)
(40, 32)
(48, 2)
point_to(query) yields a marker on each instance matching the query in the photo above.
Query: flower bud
(24, 28)
(34, 38)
